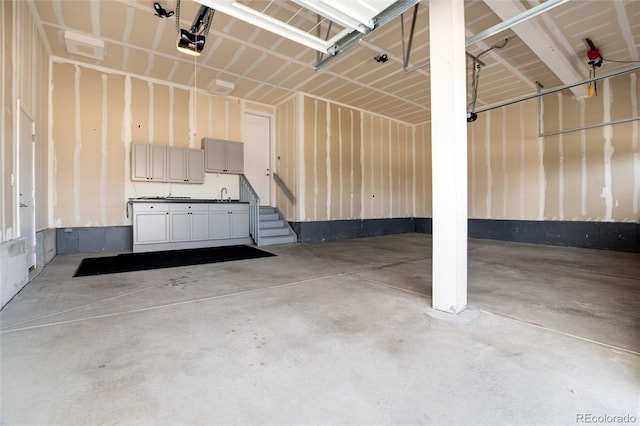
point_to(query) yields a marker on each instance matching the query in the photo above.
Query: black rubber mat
(128, 262)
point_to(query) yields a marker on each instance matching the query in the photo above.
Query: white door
(26, 190)
(257, 154)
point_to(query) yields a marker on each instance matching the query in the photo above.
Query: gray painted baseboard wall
(619, 236)
(14, 272)
(94, 239)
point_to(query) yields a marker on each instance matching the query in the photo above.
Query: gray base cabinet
(166, 225)
(188, 222)
(150, 224)
(228, 220)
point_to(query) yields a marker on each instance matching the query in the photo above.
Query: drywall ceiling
(268, 68)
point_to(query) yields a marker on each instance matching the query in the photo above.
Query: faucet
(222, 191)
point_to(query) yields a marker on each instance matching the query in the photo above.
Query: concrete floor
(329, 333)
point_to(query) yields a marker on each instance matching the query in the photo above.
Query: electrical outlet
(605, 192)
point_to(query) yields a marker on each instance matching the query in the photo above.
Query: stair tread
(265, 241)
(273, 228)
(270, 232)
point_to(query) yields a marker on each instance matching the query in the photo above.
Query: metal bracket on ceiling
(505, 25)
(320, 55)
(407, 53)
(349, 40)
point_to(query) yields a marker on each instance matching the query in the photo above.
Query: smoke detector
(221, 87)
(84, 45)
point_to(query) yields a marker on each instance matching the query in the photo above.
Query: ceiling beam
(541, 44)
(625, 28)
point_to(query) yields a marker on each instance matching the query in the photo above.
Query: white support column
(449, 154)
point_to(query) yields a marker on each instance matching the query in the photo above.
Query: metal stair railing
(284, 188)
(248, 194)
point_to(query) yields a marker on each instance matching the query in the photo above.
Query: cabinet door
(139, 161)
(176, 164)
(195, 165)
(239, 224)
(235, 157)
(179, 226)
(215, 155)
(219, 222)
(151, 227)
(158, 163)
(199, 225)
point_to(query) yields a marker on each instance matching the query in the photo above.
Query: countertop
(184, 200)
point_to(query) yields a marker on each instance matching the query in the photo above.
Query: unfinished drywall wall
(23, 86)
(593, 174)
(96, 115)
(351, 164)
(7, 124)
(505, 172)
(585, 175)
(422, 171)
(388, 164)
(24, 70)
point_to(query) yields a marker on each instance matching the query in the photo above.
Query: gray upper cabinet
(148, 162)
(235, 157)
(185, 165)
(161, 163)
(223, 156)
(195, 165)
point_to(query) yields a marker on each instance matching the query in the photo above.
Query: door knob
(23, 205)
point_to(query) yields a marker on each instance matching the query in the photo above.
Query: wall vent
(81, 44)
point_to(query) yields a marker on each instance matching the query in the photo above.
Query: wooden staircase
(273, 228)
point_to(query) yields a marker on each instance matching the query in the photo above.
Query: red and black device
(595, 59)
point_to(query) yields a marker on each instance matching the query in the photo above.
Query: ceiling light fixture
(192, 42)
(221, 87)
(84, 45)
